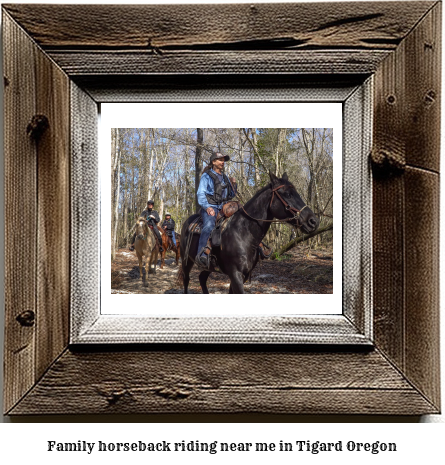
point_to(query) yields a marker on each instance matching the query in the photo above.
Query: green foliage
(281, 257)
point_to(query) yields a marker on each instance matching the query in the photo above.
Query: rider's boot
(202, 260)
(159, 239)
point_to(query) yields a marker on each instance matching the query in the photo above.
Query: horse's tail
(180, 279)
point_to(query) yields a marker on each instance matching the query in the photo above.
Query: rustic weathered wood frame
(90, 53)
(91, 323)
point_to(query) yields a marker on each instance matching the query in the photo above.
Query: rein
(288, 207)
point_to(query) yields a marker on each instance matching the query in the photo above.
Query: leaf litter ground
(299, 272)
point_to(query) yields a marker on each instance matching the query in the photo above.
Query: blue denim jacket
(206, 187)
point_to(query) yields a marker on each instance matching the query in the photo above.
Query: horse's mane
(265, 188)
(141, 218)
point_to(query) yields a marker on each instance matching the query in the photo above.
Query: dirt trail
(298, 273)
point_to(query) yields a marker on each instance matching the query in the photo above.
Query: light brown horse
(167, 244)
(145, 244)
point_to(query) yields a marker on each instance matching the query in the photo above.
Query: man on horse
(169, 226)
(215, 189)
(152, 218)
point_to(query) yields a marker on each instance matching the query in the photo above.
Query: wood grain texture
(408, 83)
(78, 63)
(399, 377)
(218, 87)
(406, 240)
(423, 50)
(53, 228)
(388, 268)
(222, 382)
(422, 281)
(85, 211)
(388, 201)
(20, 212)
(90, 327)
(357, 205)
(342, 25)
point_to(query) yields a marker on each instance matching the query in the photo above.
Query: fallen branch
(297, 240)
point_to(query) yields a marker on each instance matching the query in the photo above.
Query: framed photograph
(367, 343)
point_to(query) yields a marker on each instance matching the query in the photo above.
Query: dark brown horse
(167, 245)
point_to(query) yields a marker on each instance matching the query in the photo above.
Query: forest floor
(299, 271)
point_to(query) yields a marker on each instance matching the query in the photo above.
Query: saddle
(226, 212)
(170, 244)
(222, 221)
(195, 227)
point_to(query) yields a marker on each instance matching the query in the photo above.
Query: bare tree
(115, 185)
(198, 164)
(166, 164)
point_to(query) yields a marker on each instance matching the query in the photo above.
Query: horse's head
(287, 203)
(141, 228)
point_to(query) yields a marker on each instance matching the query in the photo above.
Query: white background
(221, 115)
(22, 442)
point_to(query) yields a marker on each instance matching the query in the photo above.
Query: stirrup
(263, 248)
(131, 248)
(202, 260)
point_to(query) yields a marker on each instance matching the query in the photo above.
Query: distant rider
(215, 189)
(152, 218)
(169, 226)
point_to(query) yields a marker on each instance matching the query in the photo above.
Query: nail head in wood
(26, 318)
(430, 97)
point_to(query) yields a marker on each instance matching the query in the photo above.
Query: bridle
(145, 235)
(288, 207)
(294, 211)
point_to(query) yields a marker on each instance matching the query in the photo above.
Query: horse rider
(215, 189)
(169, 226)
(152, 218)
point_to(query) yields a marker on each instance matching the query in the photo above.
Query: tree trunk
(161, 205)
(240, 154)
(290, 245)
(115, 187)
(198, 164)
(125, 221)
(150, 167)
(281, 137)
(256, 158)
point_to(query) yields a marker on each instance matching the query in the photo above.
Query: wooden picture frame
(77, 56)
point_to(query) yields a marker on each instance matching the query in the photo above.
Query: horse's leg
(186, 274)
(177, 254)
(153, 260)
(140, 264)
(245, 279)
(203, 276)
(155, 251)
(236, 283)
(163, 258)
